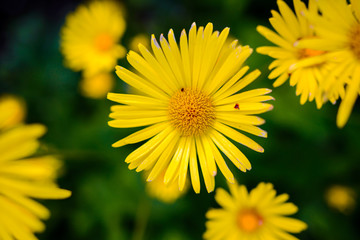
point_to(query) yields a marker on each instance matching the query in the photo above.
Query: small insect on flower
(188, 92)
(237, 106)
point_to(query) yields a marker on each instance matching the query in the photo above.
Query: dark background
(305, 153)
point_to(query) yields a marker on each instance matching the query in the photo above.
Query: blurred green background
(305, 153)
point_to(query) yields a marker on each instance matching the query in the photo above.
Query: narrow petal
(175, 161)
(167, 142)
(136, 100)
(231, 151)
(194, 171)
(138, 122)
(242, 96)
(142, 135)
(208, 178)
(184, 164)
(221, 163)
(347, 104)
(164, 158)
(238, 137)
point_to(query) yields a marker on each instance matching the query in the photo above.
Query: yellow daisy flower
(191, 103)
(341, 198)
(12, 111)
(257, 215)
(338, 31)
(305, 67)
(167, 193)
(97, 86)
(90, 36)
(23, 178)
(140, 38)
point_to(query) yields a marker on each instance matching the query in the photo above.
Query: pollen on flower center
(307, 52)
(191, 111)
(104, 42)
(355, 40)
(249, 220)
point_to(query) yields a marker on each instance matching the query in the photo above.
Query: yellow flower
(191, 105)
(259, 214)
(97, 86)
(341, 198)
(12, 111)
(307, 68)
(23, 178)
(166, 193)
(90, 36)
(139, 39)
(338, 31)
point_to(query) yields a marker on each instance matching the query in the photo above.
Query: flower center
(306, 52)
(191, 111)
(249, 220)
(104, 42)
(355, 40)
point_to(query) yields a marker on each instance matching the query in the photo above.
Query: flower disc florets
(191, 111)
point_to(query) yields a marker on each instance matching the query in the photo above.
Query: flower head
(340, 197)
(306, 68)
(12, 111)
(259, 214)
(23, 178)
(337, 27)
(90, 36)
(167, 193)
(97, 86)
(140, 38)
(192, 105)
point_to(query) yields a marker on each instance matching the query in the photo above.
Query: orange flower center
(104, 42)
(249, 220)
(191, 111)
(306, 52)
(355, 40)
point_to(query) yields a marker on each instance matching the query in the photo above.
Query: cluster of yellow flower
(89, 43)
(318, 49)
(22, 175)
(190, 99)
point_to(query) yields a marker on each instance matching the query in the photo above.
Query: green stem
(142, 217)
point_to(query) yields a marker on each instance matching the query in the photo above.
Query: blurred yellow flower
(90, 36)
(139, 39)
(337, 27)
(166, 193)
(307, 68)
(191, 105)
(97, 86)
(12, 111)
(23, 178)
(259, 214)
(341, 198)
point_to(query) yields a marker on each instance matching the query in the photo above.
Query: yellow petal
(194, 172)
(138, 122)
(238, 137)
(141, 135)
